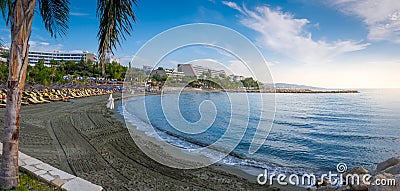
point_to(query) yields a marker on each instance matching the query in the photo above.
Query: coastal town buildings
(174, 73)
(197, 71)
(167, 72)
(47, 56)
(159, 72)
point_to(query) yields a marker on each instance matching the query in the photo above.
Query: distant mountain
(295, 86)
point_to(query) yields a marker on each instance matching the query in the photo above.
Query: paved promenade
(52, 175)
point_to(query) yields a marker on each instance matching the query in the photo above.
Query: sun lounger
(74, 95)
(54, 98)
(30, 100)
(43, 100)
(36, 101)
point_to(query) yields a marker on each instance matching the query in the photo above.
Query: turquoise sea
(310, 133)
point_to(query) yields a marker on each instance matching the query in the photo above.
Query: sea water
(310, 132)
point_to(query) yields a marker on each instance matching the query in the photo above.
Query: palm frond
(116, 18)
(55, 15)
(6, 9)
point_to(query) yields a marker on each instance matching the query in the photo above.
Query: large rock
(388, 170)
(357, 170)
(388, 163)
(387, 177)
(392, 169)
(360, 171)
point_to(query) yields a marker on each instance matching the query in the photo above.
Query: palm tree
(116, 18)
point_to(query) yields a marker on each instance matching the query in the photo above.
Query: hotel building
(35, 56)
(197, 71)
(47, 56)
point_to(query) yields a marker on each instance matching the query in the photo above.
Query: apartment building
(35, 56)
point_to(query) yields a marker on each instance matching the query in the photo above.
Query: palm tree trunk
(22, 18)
(103, 69)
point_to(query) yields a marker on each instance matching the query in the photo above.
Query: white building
(197, 71)
(35, 56)
(236, 78)
(174, 73)
(4, 50)
(47, 56)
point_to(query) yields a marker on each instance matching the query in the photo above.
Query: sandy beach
(85, 139)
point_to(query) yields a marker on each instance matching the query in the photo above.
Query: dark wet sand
(83, 138)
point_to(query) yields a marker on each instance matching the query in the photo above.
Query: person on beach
(110, 104)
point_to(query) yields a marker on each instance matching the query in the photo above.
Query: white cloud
(233, 5)
(44, 46)
(382, 17)
(44, 43)
(287, 35)
(48, 47)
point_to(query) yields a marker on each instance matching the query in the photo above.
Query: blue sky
(332, 43)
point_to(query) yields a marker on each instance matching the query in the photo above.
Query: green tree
(115, 17)
(115, 70)
(159, 78)
(70, 67)
(53, 63)
(3, 72)
(250, 83)
(3, 65)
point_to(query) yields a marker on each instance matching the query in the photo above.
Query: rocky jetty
(283, 90)
(315, 91)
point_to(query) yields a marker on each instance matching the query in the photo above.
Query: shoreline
(247, 173)
(83, 138)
